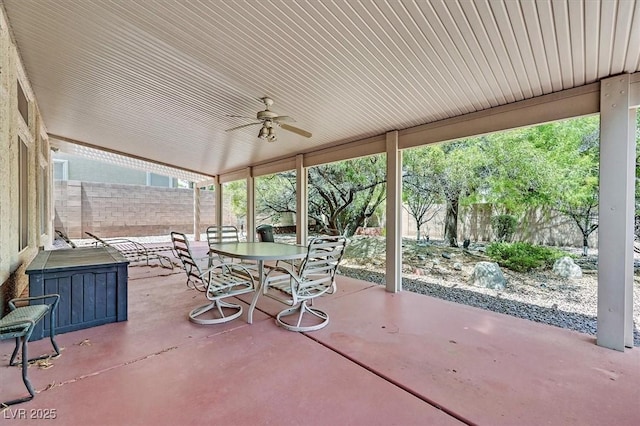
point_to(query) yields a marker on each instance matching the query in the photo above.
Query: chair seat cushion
(19, 318)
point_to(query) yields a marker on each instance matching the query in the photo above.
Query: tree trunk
(451, 221)
(585, 245)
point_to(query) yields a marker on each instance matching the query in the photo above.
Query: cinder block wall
(536, 226)
(118, 210)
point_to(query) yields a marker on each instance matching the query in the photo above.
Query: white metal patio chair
(315, 277)
(217, 234)
(218, 282)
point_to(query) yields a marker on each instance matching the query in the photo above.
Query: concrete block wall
(68, 211)
(536, 226)
(119, 210)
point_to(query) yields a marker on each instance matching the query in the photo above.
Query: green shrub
(523, 257)
(504, 226)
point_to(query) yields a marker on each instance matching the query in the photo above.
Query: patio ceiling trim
(273, 167)
(236, 175)
(562, 105)
(361, 148)
(205, 183)
(339, 152)
(113, 156)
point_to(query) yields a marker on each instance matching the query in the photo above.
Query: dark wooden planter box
(91, 282)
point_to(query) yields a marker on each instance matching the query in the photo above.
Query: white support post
(302, 201)
(196, 212)
(616, 214)
(394, 206)
(218, 197)
(251, 210)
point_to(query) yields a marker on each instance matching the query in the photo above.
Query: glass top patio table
(260, 252)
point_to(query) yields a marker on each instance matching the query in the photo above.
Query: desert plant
(504, 226)
(523, 257)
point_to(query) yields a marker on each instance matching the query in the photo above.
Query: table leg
(258, 290)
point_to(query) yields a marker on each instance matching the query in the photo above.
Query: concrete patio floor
(387, 359)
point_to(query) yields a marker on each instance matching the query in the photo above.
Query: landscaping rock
(566, 268)
(489, 275)
(457, 266)
(446, 255)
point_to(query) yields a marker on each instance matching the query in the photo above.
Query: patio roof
(159, 80)
(384, 358)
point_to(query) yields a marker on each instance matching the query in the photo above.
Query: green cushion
(17, 319)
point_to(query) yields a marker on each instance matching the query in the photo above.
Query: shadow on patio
(384, 359)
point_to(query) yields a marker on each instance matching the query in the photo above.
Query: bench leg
(22, 341)
(25, 366)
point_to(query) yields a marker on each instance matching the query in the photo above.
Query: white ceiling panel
(158, 79)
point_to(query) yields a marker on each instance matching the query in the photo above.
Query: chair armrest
(12, 305)
(231, 268)
(282, 269)
(287, 274)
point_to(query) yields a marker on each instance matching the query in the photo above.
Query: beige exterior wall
(13, 261)
(536, 226)
(119, 210)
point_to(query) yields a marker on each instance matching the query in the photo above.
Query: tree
(276, 195)
(343, 194)
(421, 193)
(577, 158)
(517, 172)
(236, 192)
(458, 176)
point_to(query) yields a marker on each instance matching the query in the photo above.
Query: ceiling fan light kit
(267, 132)
(269, 121)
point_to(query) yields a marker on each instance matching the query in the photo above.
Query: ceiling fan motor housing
(266, 115)
(269, 121)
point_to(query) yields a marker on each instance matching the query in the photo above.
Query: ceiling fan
(270, 120)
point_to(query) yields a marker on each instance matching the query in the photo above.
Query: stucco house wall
(36, 226)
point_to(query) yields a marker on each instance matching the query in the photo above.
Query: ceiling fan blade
(240, 127)
(282, 118)
(240, 116)
(296, 130)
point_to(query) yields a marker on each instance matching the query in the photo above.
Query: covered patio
(175, 84)
(385, 359)
(179, 84)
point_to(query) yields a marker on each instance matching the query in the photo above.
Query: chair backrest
(191, 267)
(222, 234)
(323, 256)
